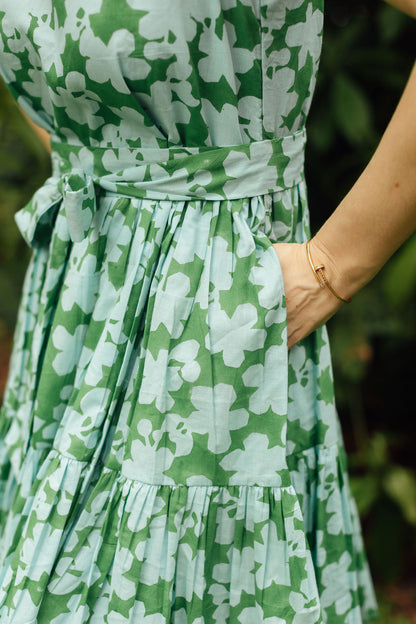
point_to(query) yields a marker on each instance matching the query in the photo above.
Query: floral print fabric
(164, 458)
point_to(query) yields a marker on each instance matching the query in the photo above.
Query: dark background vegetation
(367, 56)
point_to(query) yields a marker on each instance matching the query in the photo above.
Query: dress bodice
(222, 72)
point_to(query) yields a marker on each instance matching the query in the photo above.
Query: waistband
(80, 173)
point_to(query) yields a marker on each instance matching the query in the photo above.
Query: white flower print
(257, 462)
(270, 382)
(213, 416)
(233, 336)
(70, 348)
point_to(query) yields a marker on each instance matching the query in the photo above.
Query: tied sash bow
(73, 195)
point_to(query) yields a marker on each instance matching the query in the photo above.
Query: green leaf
(378, 452)
(400, 274)
(366, 490)
(400, 484)
(352, 111)
(391, 23)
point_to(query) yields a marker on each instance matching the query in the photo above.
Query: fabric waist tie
(79, 172)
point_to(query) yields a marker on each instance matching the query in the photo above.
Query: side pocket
(267, 275)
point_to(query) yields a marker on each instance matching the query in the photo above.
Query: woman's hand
(308, 305)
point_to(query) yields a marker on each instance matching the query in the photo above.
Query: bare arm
(379, 212)
(371, 222)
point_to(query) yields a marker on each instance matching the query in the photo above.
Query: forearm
(379, 212)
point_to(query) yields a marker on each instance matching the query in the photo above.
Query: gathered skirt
(164, 458)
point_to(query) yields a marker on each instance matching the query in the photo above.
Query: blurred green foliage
(24, 164)
(367, 56)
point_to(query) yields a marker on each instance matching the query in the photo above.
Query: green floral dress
(163, 458)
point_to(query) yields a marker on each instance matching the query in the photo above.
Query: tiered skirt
(164, 459)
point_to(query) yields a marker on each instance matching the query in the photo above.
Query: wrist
(341, 281)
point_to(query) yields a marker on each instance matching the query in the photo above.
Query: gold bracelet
(318, 271)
